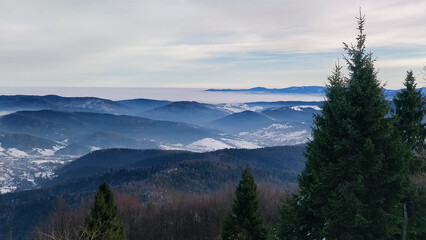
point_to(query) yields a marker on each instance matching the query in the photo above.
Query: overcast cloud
(193, 43)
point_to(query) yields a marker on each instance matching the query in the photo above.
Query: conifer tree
(302, 214)
(244, 221)
(356, 170)
(409, 113)
(103, 223)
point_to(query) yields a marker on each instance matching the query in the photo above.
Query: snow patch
(7, 189)
(240, 107)
(172, 147)
(1, 151)
(48, 161)
(206, 145)
(45, 175)
(45, 152)
(299, 108)
(3, 113)
(16, 152)
(240, 143)
(277, 126)
(56, 147)
(93, 148)
(277, 135)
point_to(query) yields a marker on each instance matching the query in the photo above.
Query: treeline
(167, 215)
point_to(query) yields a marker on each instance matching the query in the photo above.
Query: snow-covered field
(23, 171)
(277, 135)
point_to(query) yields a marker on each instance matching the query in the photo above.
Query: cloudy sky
(202, 44)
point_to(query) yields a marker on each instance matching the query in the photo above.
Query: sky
(202, 44)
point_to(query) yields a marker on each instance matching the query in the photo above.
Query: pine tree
(409, 113)
(244, 221)
(356, 171)
(103, 223)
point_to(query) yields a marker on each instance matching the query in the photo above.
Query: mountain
(59, 125)
(14, 144)
(189, 112)
(241, 122)
(53, 102)
(75, 149)
(286, 158)
(104, 160)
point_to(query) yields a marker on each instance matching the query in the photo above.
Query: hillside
(144, 172)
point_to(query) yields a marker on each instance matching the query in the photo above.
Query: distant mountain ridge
(77, 104)
(289, 90)
(54, 102)
(389, 93)
(59, 125)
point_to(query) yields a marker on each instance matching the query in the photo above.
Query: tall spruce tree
(356, 169)
(244, 221)
(103, 223)
(409, 113)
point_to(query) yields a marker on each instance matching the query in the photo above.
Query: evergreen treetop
(103, 223)
(409, 112)
(244, 221)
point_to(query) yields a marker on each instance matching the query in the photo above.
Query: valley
(40, 134)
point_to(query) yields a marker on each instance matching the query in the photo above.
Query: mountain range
(41, 133)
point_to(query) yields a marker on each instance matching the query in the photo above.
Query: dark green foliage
(283, 158)
(103, 223)
(290, 221)
(356, 169)
(416, 207)
(244, 220)
(409, 113)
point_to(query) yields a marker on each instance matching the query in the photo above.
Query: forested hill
(145, 172)
(281, 158)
